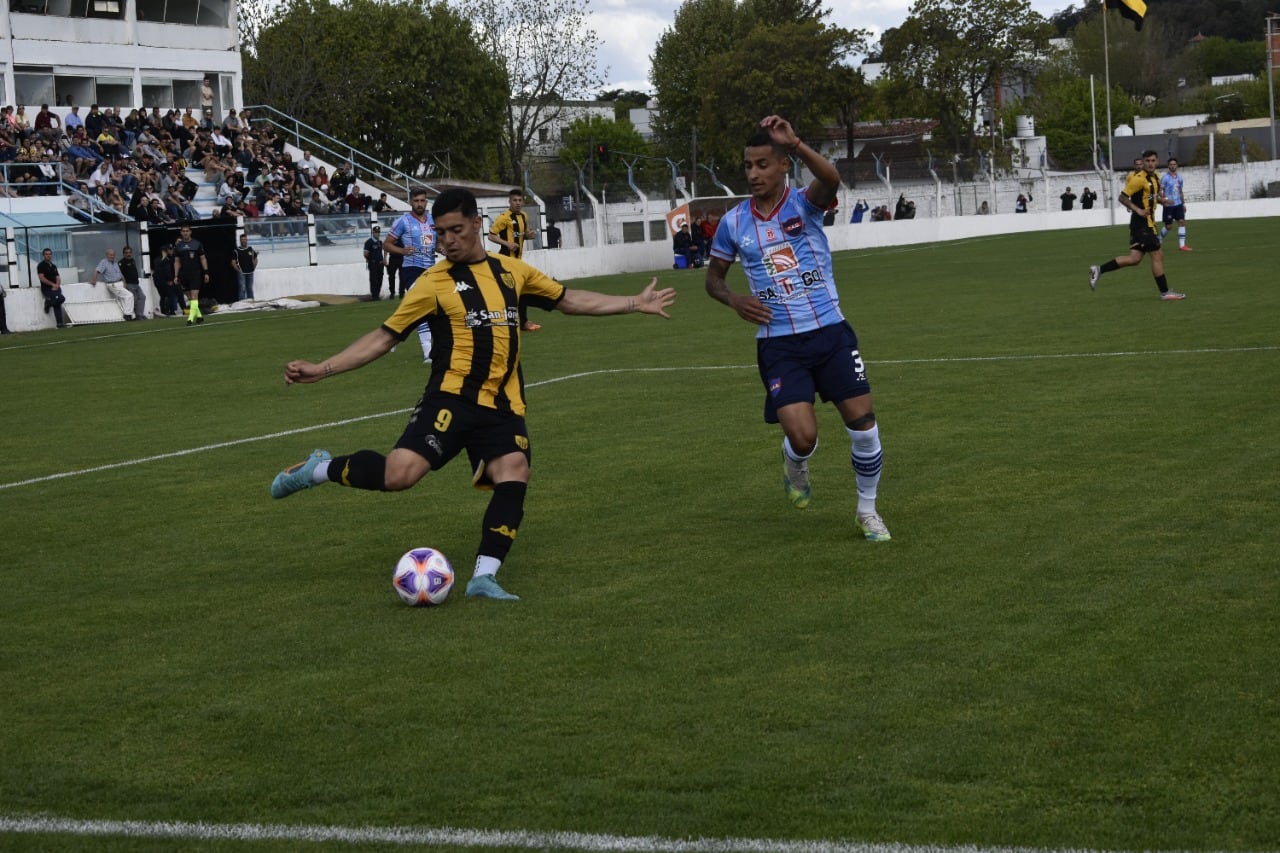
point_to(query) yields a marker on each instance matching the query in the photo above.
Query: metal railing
(305, 136)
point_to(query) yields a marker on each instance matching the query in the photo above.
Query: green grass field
(1069, 643)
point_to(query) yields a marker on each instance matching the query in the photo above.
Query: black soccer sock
(364, 469)
(1162, 284)
(502, 519)
(1109, 266)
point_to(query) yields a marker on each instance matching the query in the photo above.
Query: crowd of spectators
(114, 166)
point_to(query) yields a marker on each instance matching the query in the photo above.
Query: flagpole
(1111, 160)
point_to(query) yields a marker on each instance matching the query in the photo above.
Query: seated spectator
(383, 203)
(320, 179)
(21, 122)
(273, 206)
(101, 175)
(221, 144)
(682, 243)
(356, 201)
(343, 178)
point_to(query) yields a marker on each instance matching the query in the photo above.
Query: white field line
(614, 371)
(200, 831)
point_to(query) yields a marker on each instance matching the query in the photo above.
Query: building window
(544, 135)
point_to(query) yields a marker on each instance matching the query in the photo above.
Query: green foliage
(1064, 114)
(955, 50)
(1069, 643)
(1228, 102)
(724, 65)
(1217, 56)
(622, 140)
(1227, 149)
(393, 79)
(1140, 62)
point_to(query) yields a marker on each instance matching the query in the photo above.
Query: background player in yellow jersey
(474, 400)
(509, 231)
(1139, 197)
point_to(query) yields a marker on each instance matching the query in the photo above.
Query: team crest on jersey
(780, 260)
(770, 236)
(794, 227)
(508, 281)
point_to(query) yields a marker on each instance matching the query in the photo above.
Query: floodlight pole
(1272, 31)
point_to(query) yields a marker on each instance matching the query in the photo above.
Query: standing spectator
(509, 231)
(1087, 198)
(244, 260)
(206, 95)
(1139, 197)
(553, 234)
(342, 180)
(51, 287)
(900, 210)
(1020, 206)
(4, 316)
(393, 262)
(859, 210)
(413, 238)
(804, 346)
(93, 122)
(374, 262)
(73, 122)
(133, 282)
(1173, 204)
(108, 271)
(164, 278)
(47, 124)
(1068, 199)
(191, 269)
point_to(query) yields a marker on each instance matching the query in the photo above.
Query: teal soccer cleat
(295, 478)
(486, 586)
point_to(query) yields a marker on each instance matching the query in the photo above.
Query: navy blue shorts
(825, 362)
(443, 425)
(1175, 213)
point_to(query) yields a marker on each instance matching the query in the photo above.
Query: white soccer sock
(1182, 235)
(791, 454)
(424, 335)
(487, 566)
(867, 459)
(320, 473)
(1163, 231)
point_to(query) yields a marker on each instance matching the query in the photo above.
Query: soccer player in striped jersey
(474, 399)
(1139, 196)
(804, 344)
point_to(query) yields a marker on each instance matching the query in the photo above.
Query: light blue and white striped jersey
(420, 236)
(787, 260)
(1171, 186)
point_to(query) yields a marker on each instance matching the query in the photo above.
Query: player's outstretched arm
(648, 301)
(363, 350)
(749, 308)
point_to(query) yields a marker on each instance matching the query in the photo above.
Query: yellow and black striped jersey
(1143, 190)
(473, 313)
(512, 227)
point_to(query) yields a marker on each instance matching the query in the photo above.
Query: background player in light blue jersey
(413, 237)
(1174, 205)
(804, 345)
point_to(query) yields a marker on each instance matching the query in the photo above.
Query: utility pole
(693, 172)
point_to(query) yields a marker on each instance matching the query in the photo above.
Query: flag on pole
(1134, 10)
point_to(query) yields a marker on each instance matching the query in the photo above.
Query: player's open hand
(653, 301)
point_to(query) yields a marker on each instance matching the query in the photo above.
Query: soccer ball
(423, 577)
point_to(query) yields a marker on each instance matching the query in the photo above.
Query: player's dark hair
(516, 191)
(760, 138)
(420, 191)
(1150, 152)
(1172, 160)
(455, 199)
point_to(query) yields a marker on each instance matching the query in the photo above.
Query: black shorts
(1175, 213)
(443, 425)
(1143, 238)
(795, 367)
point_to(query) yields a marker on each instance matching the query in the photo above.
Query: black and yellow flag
(1134, 10)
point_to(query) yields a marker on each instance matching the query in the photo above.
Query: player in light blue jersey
(804, 345)
(1173, 204)
(413, 237)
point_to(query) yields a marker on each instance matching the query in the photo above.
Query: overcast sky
(630, 28)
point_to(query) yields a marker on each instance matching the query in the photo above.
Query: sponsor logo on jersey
(462, 285)
(780, 260)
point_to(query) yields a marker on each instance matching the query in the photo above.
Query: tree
(957, 50)
(1139, 61)
(723, 65)
(585, 135)
(252, 16)
(548, 53)
(395, 80)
